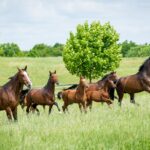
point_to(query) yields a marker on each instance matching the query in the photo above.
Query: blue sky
(28, 22)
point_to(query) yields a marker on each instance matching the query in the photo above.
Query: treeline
(128, 49)
(39, 50)
(131, 49)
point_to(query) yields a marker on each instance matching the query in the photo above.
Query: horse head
(23, 77)
(53, 77)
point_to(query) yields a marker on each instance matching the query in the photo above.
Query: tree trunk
(90, 77)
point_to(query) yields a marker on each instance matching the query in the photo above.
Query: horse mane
(106, 76)
(142, 67)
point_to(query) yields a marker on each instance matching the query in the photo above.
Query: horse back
(129, 84)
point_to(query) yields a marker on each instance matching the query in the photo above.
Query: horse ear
(25, 68)
(10, 78)
(50, 73)
(18, 69)
(55, 71)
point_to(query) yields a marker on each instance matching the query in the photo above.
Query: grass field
(126, 128)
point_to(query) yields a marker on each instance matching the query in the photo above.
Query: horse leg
(34, 106)
(108, 101)
(9, 113)
(44, 107)
(132, 100)
(84, 106)
(80, 107)
(89, 104)
(64, 107)
(50, 108)
(14, 112)
(56, 104)
(120, 95)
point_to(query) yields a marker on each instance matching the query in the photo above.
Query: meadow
(125, 128)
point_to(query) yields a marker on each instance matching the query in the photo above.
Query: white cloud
(28, 22)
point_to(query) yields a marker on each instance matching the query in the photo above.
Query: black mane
(142, 67)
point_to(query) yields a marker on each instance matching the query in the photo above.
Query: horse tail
(59, 95)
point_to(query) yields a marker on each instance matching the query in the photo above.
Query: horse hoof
(137, 104)
(60, 112)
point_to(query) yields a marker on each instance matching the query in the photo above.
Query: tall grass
(103, 128)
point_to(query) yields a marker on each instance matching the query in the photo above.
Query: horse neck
(105, 88)
(14, 85)
(81, 90)
(50, 86)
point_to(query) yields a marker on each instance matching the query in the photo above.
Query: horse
(76, 96)
(59, 94)
(134, 83)
(43, 96)
(9, 92)
(100, 95)
(96, 86)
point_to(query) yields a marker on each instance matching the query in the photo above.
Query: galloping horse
(76, 96)
(43, 96)
(135, 83)
(100, 95)
(9, 92)
(96, 86)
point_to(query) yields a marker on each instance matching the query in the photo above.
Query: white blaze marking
(26, 75)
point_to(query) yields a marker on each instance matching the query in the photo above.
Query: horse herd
(12, 93)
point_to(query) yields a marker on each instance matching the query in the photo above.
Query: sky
(28, 22)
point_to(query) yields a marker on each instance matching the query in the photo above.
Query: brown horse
(9, 92)
(43, 96)
(135, 83)
(96, 86)
(76, 96)
(101, 95)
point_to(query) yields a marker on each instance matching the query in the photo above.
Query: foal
(76, 96)
(43, 96)
(101, 95)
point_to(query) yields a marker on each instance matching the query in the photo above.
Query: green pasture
(125, 128)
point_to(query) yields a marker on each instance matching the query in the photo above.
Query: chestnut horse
(76, 96)
(9, 92)
(100, 95)
(96, 86)
(43, 96)
(135, 83)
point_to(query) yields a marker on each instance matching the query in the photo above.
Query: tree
(40, 50)
(92, 50)
(9, 50)
(126, 46)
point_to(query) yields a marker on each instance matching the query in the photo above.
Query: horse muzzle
(29, 85)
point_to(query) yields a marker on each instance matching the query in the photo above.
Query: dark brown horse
(9, 93)
(43, 96)
(101, 95)
(76, 96)
(135, 83)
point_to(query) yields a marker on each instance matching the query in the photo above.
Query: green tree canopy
(40, 50)
(92, 50)
(9, 50)
(126, 46)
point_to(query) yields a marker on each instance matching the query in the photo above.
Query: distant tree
(57, 49)
(10, 50)
(40, 50)
(92, 50)
(139, 51)
(126, 46)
